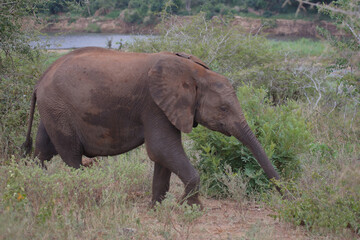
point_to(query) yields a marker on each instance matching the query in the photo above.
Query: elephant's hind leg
(44, 148)
(69, 149)
(67, 144)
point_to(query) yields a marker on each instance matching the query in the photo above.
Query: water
(78, 40)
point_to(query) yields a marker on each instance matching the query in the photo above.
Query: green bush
(281, 130)
(326, 207)
(17, 82)
(113, 14)
(93, 28)
(327, 197)
(132, 16)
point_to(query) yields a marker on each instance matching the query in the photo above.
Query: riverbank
(272, 27)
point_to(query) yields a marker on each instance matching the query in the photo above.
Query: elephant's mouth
(222, 128)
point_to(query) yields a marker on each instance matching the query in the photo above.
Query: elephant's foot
(89, 162)
(192, 200)
(153, 203)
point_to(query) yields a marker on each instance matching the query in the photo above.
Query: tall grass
(70, 204)
(109, 200)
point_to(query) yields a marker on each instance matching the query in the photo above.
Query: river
(78, 40)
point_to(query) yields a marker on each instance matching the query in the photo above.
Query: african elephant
(98, 102)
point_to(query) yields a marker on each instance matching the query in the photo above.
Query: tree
(13, 38)
(345, 12)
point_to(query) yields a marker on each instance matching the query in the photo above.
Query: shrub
(93, 28)
(132, 16)
(281, 130)
(327, 196)
(113, 14)
(323, 208)
(18, 78)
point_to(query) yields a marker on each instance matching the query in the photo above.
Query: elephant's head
(188, 92)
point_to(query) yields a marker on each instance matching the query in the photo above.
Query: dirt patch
(272, 27)
(225, 219)
(222, 219)
(97, 25)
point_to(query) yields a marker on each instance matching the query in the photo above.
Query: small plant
(109, 43)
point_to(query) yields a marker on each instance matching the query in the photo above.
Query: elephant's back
(91, 80)
(91, 74)
(91, 63)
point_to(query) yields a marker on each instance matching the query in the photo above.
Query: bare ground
(225, 219)
(221, 219)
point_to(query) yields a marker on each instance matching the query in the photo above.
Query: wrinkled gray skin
(98, 102)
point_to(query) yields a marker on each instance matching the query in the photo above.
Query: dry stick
(218, 46)
(352, 120)
(357, 36)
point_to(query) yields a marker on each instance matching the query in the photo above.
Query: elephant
(100, 102)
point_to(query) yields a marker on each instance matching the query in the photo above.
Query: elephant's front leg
(161, 183)
(164, 147)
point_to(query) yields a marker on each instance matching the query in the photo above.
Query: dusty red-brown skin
(98, 102)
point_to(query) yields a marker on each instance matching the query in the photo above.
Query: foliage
(149, 8)
(281, 130)
(19, 67)
(140, 11)
(347, 17)
(326, 207)
(13, 36)
(16, 87)
(327, 196)
(93, 28)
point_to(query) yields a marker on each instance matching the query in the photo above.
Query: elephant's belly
(107, 142)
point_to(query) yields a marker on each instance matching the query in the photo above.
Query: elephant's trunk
(244, 134)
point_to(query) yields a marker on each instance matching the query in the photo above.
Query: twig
(218, 46)
(353, 32)
(338, 10)
(3, 4)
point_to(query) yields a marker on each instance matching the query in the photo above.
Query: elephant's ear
(174, 91)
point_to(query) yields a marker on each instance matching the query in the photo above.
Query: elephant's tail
(27, 145)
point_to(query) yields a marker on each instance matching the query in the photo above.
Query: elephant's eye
(224, 108)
